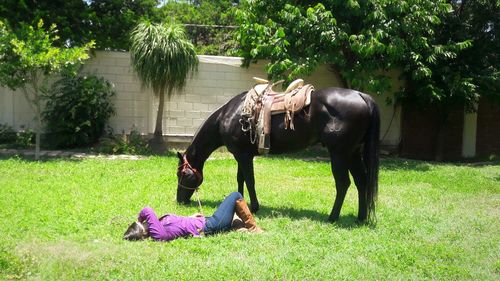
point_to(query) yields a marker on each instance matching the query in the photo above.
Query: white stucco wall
(217, 80)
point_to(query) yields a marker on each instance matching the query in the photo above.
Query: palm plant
(162, 57)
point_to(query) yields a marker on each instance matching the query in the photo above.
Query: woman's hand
(196, 215)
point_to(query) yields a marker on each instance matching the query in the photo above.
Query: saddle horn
(270, 86)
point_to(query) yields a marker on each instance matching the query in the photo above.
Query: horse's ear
(179, 155)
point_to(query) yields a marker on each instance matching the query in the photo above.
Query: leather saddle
(262, 101)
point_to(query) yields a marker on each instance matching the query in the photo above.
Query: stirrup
(264, 143)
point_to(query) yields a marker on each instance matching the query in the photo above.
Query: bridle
(186, 166)
(199, 177)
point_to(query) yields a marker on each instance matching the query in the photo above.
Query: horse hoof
(254, 209)
(184, 202)
(333, 219)
(362, 220)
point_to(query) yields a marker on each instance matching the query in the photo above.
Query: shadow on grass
(320, 155)
(43, 159)
(347, 221)
(398, 164)
(405, 164)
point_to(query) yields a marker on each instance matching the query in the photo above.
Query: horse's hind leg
(341, 175)
(358, 172)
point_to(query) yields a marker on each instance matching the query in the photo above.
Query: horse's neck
(206, 140)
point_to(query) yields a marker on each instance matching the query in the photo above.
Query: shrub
(77, 110)
(7, 134)
(134, 143)
(10, 139)
(24, 139)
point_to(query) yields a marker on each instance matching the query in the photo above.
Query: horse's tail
(371, 156)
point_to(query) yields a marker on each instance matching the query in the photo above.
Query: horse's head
(188, 180)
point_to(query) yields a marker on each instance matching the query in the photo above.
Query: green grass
(64, 219)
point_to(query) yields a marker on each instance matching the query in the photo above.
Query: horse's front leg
(246, 164)
(241, 180)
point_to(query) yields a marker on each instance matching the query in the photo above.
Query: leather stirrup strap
(268, 103)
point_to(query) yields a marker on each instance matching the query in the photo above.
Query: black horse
(345, 121)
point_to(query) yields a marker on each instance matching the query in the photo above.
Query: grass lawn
(64, 219)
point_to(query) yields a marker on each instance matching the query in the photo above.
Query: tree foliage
(358, 39)
(71, 17)
(29, 59)
(446, 51)
(473, 72)
(107, 22)
(29, 56)
(162, 57)
(113, 20)
(209, 23)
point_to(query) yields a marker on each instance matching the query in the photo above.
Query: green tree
(356, 38)
(474, 72)
(162, 57)
(460, 76)
(113, 20)
(107, 22)
(360, 40)
(29, 60)
(71, 16)
(209, 24)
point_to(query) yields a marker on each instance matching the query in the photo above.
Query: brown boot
(238, 224)
(244, 213)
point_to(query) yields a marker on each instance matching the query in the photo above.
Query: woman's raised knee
(236, 195)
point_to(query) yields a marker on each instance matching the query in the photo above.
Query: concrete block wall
(217, 80)
(132, 102)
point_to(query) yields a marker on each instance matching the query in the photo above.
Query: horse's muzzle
(182, 197)
(184, 202)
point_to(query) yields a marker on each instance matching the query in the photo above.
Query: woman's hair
(136, 231)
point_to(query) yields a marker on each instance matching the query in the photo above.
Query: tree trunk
(38, 119)
(38, 129)
(157, 143)
(159, 115)
(34, 104)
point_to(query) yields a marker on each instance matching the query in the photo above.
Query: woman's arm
(156, 229)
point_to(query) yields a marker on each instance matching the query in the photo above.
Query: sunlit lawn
(64, 219)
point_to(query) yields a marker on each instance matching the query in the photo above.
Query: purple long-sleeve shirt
(171, 226)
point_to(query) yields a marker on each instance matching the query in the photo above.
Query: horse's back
(336, 117)
(342, 100)
(341, 116)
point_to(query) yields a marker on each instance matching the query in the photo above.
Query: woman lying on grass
(171, 226)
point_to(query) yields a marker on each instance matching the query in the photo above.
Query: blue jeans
(222, 218)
